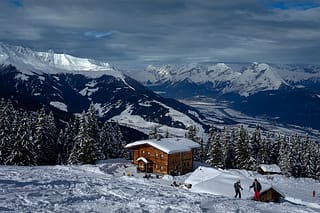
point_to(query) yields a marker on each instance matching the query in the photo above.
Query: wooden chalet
(165, 156)
(271, 195)
(269, 169)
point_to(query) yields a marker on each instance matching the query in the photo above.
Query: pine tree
(112, 142)
(284, 156)
(265, 150)
(61, 141)
(52, 139)
(317, 154)
(255, 145)
(6, 126)
(66, 140)
(296, 156)
(85, 150)
(228, 148)
(192, 135)
(214, 155)
(22, 149)
(275, 147)
(242, 151)
(45, 139)
(120, 142)
(309, 158)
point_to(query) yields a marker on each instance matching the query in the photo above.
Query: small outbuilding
(269, 169)
(271, 194)
(165, 156)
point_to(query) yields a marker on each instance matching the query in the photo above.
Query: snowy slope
(106, 188)
(30, 61)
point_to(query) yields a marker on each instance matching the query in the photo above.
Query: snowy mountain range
(255, 78)
(289, 94)
(67, 85)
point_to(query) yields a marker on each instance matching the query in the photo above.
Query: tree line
(237, 148)
(28, 139)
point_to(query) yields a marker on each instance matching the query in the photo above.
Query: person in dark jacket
(256, 188)
(237, 188)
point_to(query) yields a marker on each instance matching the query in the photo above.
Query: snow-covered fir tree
(7, 114)
(317, 153)
(284, 156)
(61, 140)
(22, 148)
(112, 141)
(44, 139)
(243, 159)
(255, 145)
(228, 148)
(309, 158)
(296, 156)
(85, 150)
(191, 134)
(214, 155)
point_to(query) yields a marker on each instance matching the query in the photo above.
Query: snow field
(106, 187)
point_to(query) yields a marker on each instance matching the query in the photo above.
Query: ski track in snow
(106, 188)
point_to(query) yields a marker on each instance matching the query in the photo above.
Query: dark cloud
(167, 31)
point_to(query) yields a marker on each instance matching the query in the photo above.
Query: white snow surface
(168, 145)
(59, 105)
(270, 168)
(29, 61)
(106, 187)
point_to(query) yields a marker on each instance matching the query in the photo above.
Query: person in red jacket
(256, 188)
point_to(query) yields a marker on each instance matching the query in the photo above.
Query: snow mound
(220, 182)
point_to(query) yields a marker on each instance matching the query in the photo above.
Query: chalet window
(157, 155)
(142, 152)
(161, 167)
(156, 166)
(148, 153)
(161, 156)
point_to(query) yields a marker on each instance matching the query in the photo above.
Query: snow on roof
(270, 168)
(275, 188)
(168, 145)
(220, 182)
(143, 159)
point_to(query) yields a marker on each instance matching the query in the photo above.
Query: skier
(256, 188)
(237, 187)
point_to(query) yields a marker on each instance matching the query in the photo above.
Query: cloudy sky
(140, 32)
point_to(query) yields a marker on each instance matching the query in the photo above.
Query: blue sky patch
(16, 3)
(298, 5)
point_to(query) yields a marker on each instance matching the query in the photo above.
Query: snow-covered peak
(257, 77)
(28, 60)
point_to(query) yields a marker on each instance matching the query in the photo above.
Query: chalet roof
(168, 145)
(275, 189)
(270, 168)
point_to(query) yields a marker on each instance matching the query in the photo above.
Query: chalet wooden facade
(271, 195)
(166, 156)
